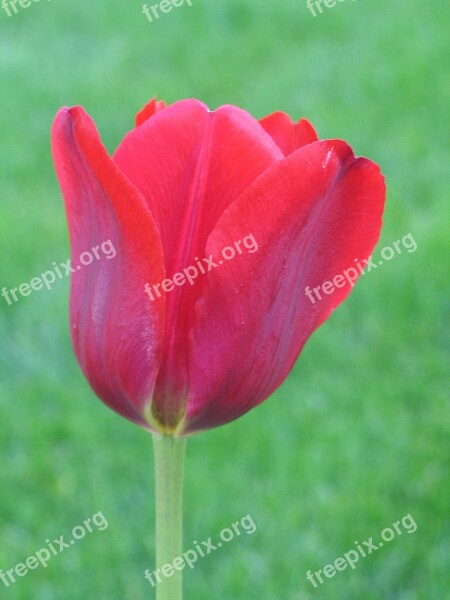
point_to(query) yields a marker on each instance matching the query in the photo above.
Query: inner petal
(190, 164)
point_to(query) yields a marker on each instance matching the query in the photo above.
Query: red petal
(150, 109)
(289, 136)
(311, 214)
(190, 164)
(117, 336)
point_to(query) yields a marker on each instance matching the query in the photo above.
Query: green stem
(169, 469)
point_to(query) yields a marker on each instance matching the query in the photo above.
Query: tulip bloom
(182, 187)
(183, 184)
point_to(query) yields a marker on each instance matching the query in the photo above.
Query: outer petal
(150, 109)
(311, 215)
(289, 136)
(190, 164)
(117, 336)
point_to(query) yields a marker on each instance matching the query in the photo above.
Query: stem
(169, 469)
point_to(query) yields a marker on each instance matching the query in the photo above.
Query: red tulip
(182, 185)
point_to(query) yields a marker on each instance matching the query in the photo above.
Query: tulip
(182, 186)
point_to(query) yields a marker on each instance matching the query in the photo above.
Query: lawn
(357, 436)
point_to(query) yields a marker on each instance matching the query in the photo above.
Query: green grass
(355, 438)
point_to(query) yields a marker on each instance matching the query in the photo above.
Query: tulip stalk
(169, 453)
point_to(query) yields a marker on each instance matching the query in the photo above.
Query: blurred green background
(356, 437)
